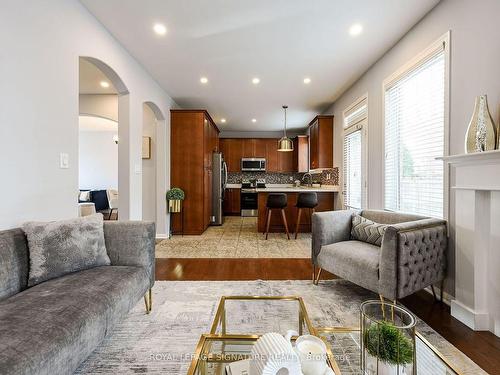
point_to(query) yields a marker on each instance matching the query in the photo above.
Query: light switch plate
(63, 160)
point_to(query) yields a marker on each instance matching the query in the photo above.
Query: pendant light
(285, 144)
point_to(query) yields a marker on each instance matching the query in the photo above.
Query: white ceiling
(279, 41)
(91, 78)
(88, 123)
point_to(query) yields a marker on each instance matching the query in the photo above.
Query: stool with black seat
(276, 201)
(305, 200)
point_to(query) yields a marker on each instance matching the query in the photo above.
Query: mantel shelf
(485, 157)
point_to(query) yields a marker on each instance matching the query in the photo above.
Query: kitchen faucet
(307, 174)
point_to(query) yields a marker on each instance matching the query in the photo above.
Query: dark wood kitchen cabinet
(232, 203)
(285, 161)
(193, 138)
(321, 142)
(232, 150)
(272, 164)
(301, 153)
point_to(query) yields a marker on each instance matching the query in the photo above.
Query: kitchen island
(326, 202)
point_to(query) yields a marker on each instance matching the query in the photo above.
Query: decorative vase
(174, 205)
(481, 134)
(387, 339)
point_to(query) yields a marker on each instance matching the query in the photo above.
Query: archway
(154, 167)
(104, 95)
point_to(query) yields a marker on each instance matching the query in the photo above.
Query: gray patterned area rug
(163, 342)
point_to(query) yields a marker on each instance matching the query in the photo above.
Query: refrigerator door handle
(225, 174)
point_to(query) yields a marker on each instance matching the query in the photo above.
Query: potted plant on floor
(388, 332)
(175, 196)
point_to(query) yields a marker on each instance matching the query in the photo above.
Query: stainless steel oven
(249, 202)
(253, 164)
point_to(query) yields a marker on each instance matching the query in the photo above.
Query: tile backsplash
(285, 178)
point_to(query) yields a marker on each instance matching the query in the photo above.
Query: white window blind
(414, 138)
(355, 119)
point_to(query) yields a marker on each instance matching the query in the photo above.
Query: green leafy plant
(175, 194)
(386, 342)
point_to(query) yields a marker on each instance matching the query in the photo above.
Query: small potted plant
(388, 332)
(175, 196)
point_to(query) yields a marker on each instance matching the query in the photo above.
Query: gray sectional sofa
(52, 327)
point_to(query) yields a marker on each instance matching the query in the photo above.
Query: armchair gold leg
(316, 282)
(148, 301)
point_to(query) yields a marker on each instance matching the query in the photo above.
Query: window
(355, 121)
(415, 136)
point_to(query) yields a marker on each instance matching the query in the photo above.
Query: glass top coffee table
(345, 345)
(238, 324)
(241, 320)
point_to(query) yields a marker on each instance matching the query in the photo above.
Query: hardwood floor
(482, 347)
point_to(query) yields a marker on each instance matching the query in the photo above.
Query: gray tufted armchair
(412, 255)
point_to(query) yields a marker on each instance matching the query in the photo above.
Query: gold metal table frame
(202, 355)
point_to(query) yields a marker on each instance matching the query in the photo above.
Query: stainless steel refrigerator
(219, 181)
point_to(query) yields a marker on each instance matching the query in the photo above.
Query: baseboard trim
(471, 318)
(162, 236)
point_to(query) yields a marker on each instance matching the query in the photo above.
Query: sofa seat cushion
(52, 327)
(353, 260)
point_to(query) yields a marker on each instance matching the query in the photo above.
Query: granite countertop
(284, 188)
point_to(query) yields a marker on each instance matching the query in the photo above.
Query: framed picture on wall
(146, 147)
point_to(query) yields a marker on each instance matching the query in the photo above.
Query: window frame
(444, 43)
(364, 149)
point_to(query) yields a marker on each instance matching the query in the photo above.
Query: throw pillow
(84, 196)
(60, 247)
(366, 230)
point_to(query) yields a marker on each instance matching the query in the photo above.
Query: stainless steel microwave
(253, 164)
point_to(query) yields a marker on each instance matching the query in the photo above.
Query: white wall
(149, 167)
(41, 43)
(105, 105)
(475, 53)
(98, 161)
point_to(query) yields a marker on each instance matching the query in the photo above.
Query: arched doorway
(104, 96)
(154, 167)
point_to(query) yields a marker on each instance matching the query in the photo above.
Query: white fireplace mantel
(477, 239)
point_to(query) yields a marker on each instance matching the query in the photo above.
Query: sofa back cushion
(366, 230)
(60, 247)
(388, 217)
(14, 262)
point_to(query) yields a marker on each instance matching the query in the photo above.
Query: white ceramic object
(312, 354)
(272, 354)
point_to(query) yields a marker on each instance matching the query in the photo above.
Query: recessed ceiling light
(254, 120)
(204, 80)
(223, 120)
(104, 84)
(255, 81)
(356, 29)
(160, 29)
(307, 81)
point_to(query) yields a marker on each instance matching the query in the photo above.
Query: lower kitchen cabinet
(232, 204)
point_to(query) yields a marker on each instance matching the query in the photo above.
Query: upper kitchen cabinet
(193, 139)
(232, 151)
(285, 161)
(254, 148)
(301, 153)
(272, 164)
(321, 142)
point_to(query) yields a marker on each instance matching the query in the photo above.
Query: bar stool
(305, 200)
(276, 202)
